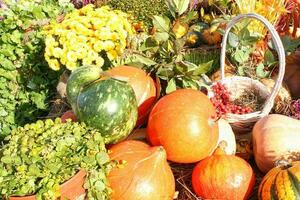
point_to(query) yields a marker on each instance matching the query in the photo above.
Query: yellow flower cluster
(270, 9)
(84, 34)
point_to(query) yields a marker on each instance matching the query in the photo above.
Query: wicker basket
(237, 84)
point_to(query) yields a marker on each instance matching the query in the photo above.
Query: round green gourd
(102, 102)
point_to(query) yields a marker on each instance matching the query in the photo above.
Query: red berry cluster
(222, 103)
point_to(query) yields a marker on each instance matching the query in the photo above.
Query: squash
(102, 102)
(143, 86)
(194, 35)
(183, 122)
(211, 37)
(282, 182)
(275, 137)
(222, 176)
(142, 172)
(226, 137)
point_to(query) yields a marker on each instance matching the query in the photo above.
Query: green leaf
(289, 44)
(161, 37)
(172, 7)
(7, 64)
(190, 83)
(144, 60)
(183, 6)
(38, 13)
(149, 44)
(203, 68)
(171, 86)
(269, 58)
(241, 56)
(102, 158)
(7, 159)
(39, 100)
(233, 40)
(165, 73)
(260, 71)
(162, 24)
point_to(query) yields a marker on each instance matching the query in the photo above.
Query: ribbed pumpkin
(282, 182)
(142, 173)
(223, 177)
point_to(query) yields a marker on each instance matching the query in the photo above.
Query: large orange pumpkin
(143, 86)
(225, 177)
(142, 172)
(183, 123)
(281, 182)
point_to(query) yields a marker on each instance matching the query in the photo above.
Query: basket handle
(278, 46)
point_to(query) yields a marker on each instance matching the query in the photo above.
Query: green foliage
(40, 156)
(142, 10)
(26, 82)
(165, 56)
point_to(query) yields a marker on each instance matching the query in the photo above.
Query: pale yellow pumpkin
(275, 137)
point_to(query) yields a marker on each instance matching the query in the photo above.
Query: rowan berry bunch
(223, 104)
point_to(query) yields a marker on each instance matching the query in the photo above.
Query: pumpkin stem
(223, 144)
(219, 151)
(283, 164)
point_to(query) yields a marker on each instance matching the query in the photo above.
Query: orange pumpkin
(183, 123)
(142, 172)
(143, 86)
(282, 182)
(223, 176)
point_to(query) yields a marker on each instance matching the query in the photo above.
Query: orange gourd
(142, 172)
(223, 176)
(282, 182)
(143, 86)
(183, 123)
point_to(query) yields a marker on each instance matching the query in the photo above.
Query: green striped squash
(102, 102)
(281, 183)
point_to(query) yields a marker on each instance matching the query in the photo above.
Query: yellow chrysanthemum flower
(87, 9)
(112, 54)
(113, 36)
(98, 46)
(54, 64)
(99, 61)
(108, 45)
(72, 56)
(87, 61)
(57, 52)
(84, 33)
(71, 65)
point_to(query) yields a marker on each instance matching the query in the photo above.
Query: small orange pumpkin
(222, 176)
(282, 182)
